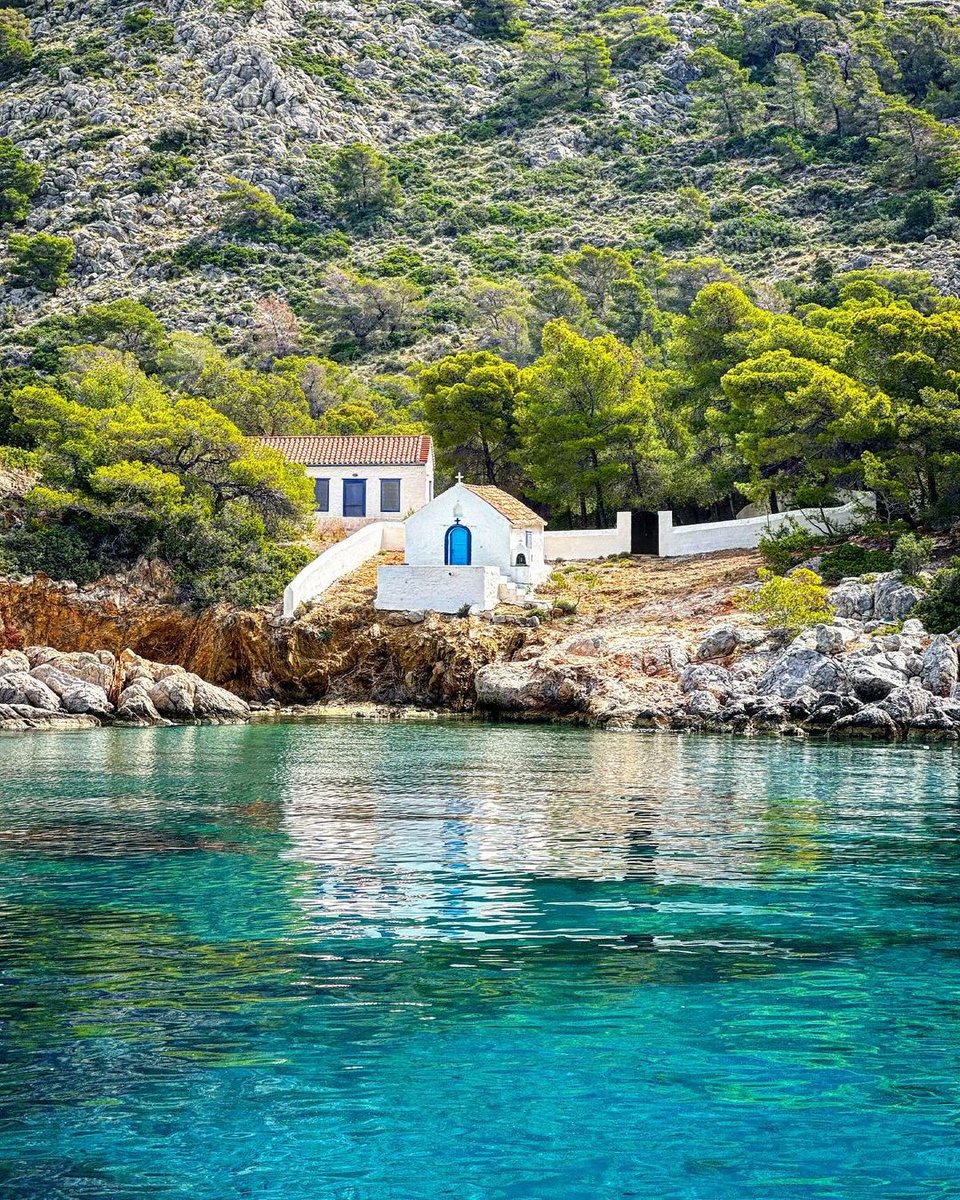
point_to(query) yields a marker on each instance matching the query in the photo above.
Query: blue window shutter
(390, 495)
(321, 494)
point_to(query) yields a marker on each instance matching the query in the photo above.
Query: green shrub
(16, 52)
(792, 602)
(566, 605)
(144, 24)
(53, 549)
(497, 19)
(853, 560)
(921, 213)
(40, 260)
(251, 211)
(759, 231)
(912, 554)
(159, 169)
(18, 181)
(939, 610)
(14, 458)
(785, 547)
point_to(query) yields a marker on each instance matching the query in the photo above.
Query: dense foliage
(571, 290)
(130, 461)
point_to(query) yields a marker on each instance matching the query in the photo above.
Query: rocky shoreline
(872, 672)
(44, 688)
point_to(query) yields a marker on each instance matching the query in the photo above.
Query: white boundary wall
(342, 559)
(574, 545)
(745, 534)
(437, 589)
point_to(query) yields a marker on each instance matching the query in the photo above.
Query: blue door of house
(458, 548)
(354, 497)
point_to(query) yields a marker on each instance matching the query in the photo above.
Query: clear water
(366, 962)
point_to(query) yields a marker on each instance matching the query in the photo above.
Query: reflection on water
(362, 961)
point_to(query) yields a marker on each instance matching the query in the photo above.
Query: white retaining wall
(437, 589)
(575, 544)
(745, 534)
(340, 560)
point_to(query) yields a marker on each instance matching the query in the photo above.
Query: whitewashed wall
(416, 488)
(437, 589)
(678, 540)
(489, 530)
(340, 560)
(573, 545)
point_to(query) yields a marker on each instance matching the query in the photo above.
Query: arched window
(457, 546)
(521, 560)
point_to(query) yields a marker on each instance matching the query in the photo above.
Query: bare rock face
(870, 722)
(893, 600)
(939, 667)
(20, 687)
(873, 679)
(44, 688)
(718, 643)
(800, 668)
(135, 707)
(76, 695)
(852, 600)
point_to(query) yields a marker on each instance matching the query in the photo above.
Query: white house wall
(416, 485)
(437, 589)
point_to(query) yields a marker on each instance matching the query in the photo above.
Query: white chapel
(470, 547)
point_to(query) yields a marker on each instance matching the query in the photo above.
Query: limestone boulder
(872, 679)
(939, 667)
(704, 705)
(852, 600)
(20, 687)
(905, 704)
(13, 660)
(173, 696)
(135, 706)
(718, 643)
(216, 703)
(76, 695)
(894, 600)
(534, 686)
(869, 722)
(799, 668)
(706, 677)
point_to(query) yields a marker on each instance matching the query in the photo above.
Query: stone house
(363, 478)
(468, 548)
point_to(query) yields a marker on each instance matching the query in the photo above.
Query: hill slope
(141, 115)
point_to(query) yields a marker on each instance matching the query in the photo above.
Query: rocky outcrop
(835, 679)
(44, 688)
(344, 654)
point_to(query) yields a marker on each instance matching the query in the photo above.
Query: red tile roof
(360, 451)
(508, 506)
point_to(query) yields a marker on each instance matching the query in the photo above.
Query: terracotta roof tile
(360, 451)
(508, 506)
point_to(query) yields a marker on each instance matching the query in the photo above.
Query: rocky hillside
(139, 116)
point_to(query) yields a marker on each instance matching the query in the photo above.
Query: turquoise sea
(341, 961)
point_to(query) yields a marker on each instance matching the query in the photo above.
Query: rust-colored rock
(339, 652)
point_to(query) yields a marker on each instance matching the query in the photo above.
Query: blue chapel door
(354, 497)
(457, 547)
